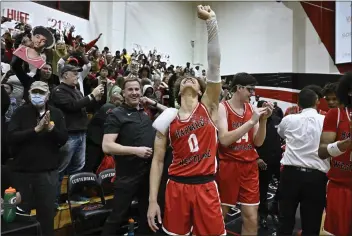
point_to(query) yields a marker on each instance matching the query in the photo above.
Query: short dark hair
(129, 81)
(242, 79)
(260, 103)
(330, 88)
(307, 98)
(345, 85)
(316, 88)
(177, 88)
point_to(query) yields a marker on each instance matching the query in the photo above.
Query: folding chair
(90, 217)
(105, 178)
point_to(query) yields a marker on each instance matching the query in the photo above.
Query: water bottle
(9, 205)
(130, 227)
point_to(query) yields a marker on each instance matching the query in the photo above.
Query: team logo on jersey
(237, 124)
(239, 147)
(191, 127)
(342, 166)
(195, 158)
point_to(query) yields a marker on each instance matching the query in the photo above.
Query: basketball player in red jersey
(191, 200)
(241, 129)
(329, 93)
(335, 143)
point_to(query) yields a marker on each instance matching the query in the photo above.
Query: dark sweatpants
(38, 191)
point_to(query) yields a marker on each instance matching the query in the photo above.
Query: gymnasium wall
(168, 26)
(267, 37)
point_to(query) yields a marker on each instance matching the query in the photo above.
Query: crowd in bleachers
(54, 109)
(101, 77)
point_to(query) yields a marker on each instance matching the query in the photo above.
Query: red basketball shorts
(338, 219)
(238, 183)
(193, 208)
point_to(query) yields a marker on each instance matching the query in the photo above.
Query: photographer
(72, 103)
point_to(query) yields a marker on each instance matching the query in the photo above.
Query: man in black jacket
(95, 133)
(36, 132)
(71, 102)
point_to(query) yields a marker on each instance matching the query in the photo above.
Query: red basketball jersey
(338, 120)
(194, 143)
(243, 149)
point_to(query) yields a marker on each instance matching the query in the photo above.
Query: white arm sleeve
(164, 120)
(214, 55)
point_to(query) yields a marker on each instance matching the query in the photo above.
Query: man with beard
(335, 143)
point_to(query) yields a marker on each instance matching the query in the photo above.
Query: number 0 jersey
(243, 149)
(194, 143)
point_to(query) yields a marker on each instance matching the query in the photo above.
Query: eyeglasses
(249, 88)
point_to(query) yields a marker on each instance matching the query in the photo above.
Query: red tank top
(340, 166)
(194, 143)
(243, 149)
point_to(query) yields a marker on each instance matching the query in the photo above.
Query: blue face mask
(38, 99)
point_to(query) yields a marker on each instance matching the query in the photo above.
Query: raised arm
(212, 93)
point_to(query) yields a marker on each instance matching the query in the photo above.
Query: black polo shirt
(134, 128)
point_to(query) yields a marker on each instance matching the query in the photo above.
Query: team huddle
(201, 189)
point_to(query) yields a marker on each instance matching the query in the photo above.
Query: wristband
(155, 104)
(334, 150)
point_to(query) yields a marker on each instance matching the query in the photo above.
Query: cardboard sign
(23, 53)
